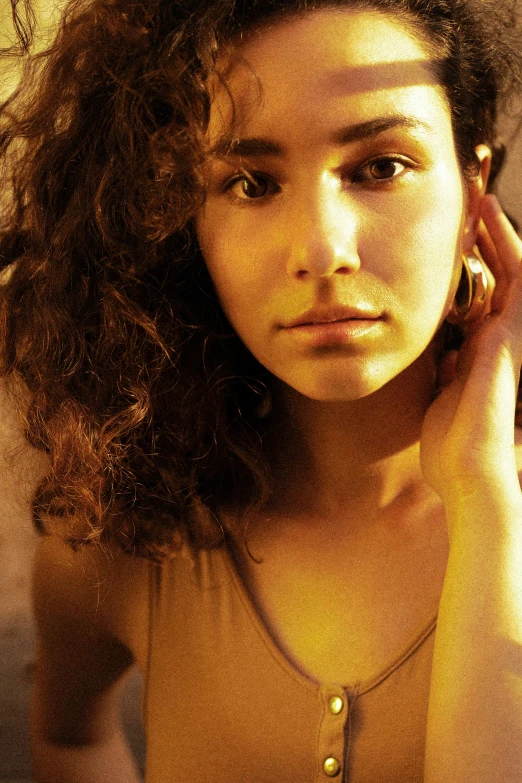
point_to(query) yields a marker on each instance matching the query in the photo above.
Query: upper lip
(326, 315)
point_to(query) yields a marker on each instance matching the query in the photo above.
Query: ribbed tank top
(223, 704)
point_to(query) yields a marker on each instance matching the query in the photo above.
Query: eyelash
(258, 176)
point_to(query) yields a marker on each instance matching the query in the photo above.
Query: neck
(349, 460)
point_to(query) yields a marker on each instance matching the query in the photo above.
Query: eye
(249, 186)
(381, 169)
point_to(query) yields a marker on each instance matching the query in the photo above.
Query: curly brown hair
(135, 383)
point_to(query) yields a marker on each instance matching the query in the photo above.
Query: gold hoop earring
(475, 289)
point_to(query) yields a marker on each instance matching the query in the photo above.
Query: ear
(476, 190)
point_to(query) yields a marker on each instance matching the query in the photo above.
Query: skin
(357, 432)
(379, 221)
(357, 429)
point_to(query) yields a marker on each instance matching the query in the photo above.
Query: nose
(322, 233)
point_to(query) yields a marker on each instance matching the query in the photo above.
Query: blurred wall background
(19, 469)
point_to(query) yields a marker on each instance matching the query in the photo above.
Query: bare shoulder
(91, 592)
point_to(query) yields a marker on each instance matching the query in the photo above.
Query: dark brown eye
(386, 168)
(250, 186)
(254, 186)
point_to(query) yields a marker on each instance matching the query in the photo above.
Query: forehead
(318, 62)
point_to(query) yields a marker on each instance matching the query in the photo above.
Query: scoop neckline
(263, 630)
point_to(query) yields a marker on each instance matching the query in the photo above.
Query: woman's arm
(469, 456)
(76, 736)
(474, 732)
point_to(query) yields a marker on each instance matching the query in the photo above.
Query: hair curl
(135, 383)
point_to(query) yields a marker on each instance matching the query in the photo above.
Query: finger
(491, 258)
(512, 314)
(501, 249)
(507, 242)
(488, 251)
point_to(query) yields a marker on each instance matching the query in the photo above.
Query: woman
(214, 200)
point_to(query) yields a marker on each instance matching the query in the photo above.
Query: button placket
(332, 733)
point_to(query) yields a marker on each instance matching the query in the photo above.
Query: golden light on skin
(316, 637)
(340, 220)
(321, 235)
(341, 226)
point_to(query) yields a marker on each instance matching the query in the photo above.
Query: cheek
(425, 239)
(238, 277)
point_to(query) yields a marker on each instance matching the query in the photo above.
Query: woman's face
(338, 184)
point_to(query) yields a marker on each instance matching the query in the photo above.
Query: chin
(345, 388)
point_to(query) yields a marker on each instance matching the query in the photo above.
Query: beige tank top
(222, 703)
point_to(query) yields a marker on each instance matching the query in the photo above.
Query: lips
(334, 313)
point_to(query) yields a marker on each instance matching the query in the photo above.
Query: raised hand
(467, 442)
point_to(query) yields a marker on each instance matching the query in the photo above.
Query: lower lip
(335, 333)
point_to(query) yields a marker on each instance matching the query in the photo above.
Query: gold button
(336, 705)
(332, 767)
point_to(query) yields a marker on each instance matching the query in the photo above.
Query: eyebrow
(258, 147)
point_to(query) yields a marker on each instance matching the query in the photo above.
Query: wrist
(484, 507)
(478, 480)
